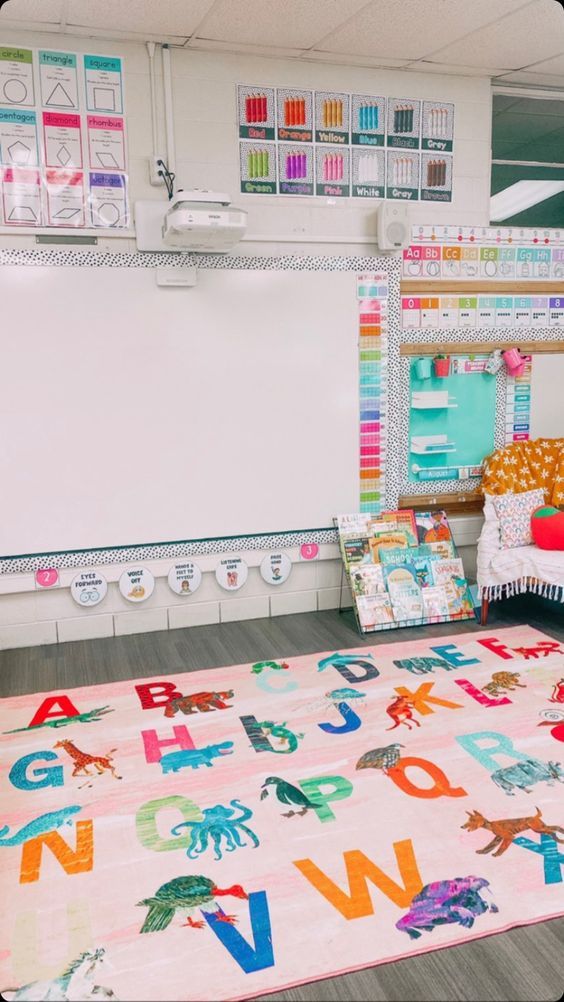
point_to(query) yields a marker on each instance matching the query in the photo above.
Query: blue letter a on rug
(249, 959)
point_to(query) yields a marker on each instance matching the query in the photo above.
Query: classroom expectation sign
(301, 142)
(63, 160)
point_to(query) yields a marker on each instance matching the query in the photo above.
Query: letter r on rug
(358, 902)
(487, 756)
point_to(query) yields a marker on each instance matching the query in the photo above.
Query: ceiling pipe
(169, 111)
(151, 52)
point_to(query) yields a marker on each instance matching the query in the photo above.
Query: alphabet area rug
(227, 833)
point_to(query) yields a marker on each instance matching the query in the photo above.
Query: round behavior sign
(136, 585)
(185, 579)
(275, 568)
(231, 573)
(88, 588)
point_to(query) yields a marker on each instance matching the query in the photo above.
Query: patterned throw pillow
(514, 513)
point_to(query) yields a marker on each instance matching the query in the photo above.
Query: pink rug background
(49, 922)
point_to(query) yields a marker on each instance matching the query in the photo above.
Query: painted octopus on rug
(141, 844)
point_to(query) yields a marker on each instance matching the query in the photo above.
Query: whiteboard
(547, 409)
(136, 414)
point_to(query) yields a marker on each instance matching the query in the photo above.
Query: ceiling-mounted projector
(195, 220)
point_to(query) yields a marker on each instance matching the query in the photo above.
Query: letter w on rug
(358, 902)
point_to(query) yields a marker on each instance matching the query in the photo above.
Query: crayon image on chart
(331, 114)
(368, 117)
(295, 110)
(436, 173)
(333, 167)
(437, 123)
(258, 163)
(256, 109)
(295, 165)
(368, 169)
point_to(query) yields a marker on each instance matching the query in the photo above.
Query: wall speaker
(393, 230)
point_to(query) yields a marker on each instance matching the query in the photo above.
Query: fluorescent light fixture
(521, 196)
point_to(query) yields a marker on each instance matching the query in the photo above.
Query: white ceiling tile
(426, 66)
(525, 36)
(373, 62)
(207, 45)
(555, 65)
(294, 24)
(39, 11)
(412, 29)
(532, 79)
(168, 17)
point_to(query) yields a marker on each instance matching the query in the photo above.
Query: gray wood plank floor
(517, 966)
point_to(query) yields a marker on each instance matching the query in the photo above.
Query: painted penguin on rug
(288, 794)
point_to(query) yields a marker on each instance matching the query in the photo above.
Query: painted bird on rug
(287, 794)
(381, 758)
(183, 895)
(506, 830)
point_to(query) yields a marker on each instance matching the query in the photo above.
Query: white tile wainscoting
(29, 617)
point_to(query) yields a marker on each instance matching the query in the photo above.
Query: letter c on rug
(358, 902)
(441, 786)
(264, 679)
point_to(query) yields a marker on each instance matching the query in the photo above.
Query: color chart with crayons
(333, 144)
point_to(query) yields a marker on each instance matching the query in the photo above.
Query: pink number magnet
(309, 551)
(47, 578)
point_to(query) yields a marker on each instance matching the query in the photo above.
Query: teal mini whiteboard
(452, 420)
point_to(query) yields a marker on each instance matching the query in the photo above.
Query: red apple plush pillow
(547, 527)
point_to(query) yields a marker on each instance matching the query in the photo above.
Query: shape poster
(58, 80)
(18, 137)
(62, 114)
(21, 196)
(16, 77)
(108, 200)
(65, 197)
(103, 78)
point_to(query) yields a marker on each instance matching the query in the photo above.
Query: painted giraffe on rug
(102, 763)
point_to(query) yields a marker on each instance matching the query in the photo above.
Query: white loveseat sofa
(505, 572)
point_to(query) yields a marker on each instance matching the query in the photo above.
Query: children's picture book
(374, 610)
(353, 525)
(435, 603)
(400, 574)
(432, 527)
(356, 550)
(444, 570)
(403, 519)
(460, 604)
(442, 550)
(403, 569)
(393, 540)
(407, 602)
(367, 579)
